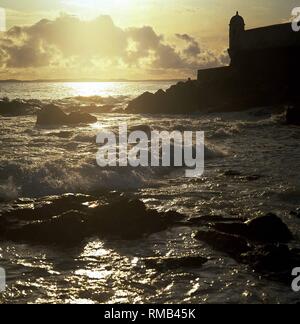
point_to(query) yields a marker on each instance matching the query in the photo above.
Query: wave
(92, 104)
(8, 190)
(226, 132)
(80, 173)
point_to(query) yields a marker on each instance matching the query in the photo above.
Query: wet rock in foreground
(231, 244)
(258, 243)
(70, 219)
(269, 228)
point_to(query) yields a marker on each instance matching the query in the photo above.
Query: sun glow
(104, 5)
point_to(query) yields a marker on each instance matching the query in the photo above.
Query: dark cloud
(193, 48)
(69, 40)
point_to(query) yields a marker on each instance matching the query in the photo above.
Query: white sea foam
(8, 190)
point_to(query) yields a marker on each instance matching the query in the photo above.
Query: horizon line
(90, 80)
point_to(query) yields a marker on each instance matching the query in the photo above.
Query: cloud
(69, 42)
(193, 48)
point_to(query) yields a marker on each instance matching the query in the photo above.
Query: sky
(123, 39)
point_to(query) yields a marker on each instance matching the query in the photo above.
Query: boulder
(144, 103)
(17, 107)
(232, 245)
(269, 228)
(258, 243)
(70, 219)
(269, 258)
(53, 115)
(130, 219)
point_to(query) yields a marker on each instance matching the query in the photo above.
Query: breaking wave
(81, 174)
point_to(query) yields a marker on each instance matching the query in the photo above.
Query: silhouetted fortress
(263, 71)
(266, 57)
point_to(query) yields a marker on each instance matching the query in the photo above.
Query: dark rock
(171, 263)
(293, 115)
(68, 228)
(17, 107)
(53, 115)
(72, 218)
(80, 118)
(269, 258)
(144, 103)
(269, 228)
(47, 207)
(180, 98)
(231, 244)
(273, 261)
(132, 220)
(257, 243)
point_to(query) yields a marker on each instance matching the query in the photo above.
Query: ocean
(252, 162)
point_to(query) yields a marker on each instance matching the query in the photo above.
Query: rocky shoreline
(192, 97)
(189, 97)
(262, 243)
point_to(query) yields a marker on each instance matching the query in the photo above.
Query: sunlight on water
(87, 89)
(61, 90)
(91, 274)
(94, 249)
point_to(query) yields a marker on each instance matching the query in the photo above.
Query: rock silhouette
(53, 115)
(70, 219)
(258, 243)
(18, 107)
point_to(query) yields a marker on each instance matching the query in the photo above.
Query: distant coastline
(86, 80)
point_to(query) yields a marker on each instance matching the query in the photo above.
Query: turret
(237, 29)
